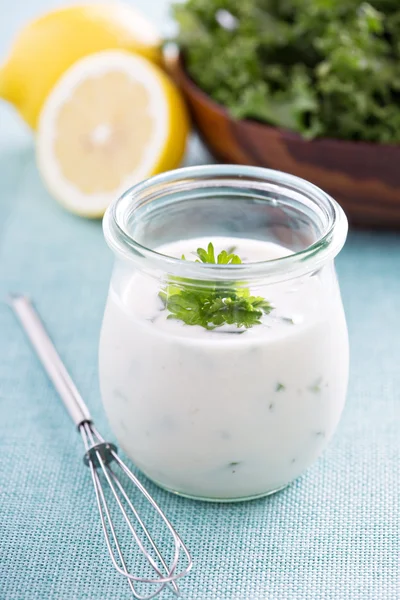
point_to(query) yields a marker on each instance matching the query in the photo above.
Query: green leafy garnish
(318, 67)
(212, 306)
(224, 258)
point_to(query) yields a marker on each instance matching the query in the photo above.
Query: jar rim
(308, 259)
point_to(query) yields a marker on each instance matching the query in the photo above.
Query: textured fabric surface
(332, 535)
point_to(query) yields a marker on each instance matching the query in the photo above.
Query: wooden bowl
(363, 177)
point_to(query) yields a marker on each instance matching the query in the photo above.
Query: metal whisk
(104, 462)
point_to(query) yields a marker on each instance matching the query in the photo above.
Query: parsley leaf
(213, 306)
(224, 257)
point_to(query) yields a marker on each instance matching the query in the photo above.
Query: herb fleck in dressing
(271, 396)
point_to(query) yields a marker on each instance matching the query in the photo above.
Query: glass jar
(233, 400)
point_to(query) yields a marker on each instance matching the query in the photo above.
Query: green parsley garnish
(213, 306)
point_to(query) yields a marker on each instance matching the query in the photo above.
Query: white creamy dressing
(218, 414)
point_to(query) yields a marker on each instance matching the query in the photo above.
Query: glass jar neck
(215, 200)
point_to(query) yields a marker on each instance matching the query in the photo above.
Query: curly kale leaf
(318, 67)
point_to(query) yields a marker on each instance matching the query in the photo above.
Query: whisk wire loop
(101, 457)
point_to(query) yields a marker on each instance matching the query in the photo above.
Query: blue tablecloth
(332, 535)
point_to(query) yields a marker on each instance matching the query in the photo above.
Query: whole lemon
(50, 44)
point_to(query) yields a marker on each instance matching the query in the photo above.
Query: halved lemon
(112, 120)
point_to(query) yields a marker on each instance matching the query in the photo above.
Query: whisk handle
(50, 359)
